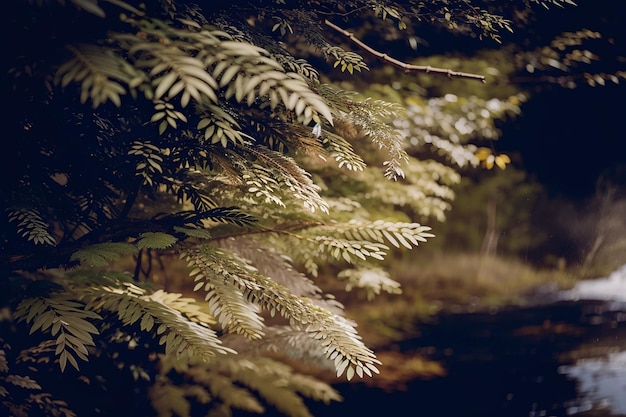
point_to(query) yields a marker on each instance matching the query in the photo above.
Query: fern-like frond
(188, 307)
(226, 215)
(196, 232)
(284, 340)
(23, 382)
(272, 264)
(425, 193)
(372, 280)
(288, 174)
(150, 161)
(31, 225)
(65, 319)
(199, 64)
(227, 303)
(299, 66)
(155, 240)
(166, 114)
(230, 215)
(236, 382)
(220, 127)
(284, 137)
(397, 233)
(262, 184)
(349, 249)
(39, 353)
(345, 60)
(342, 151)
(103, 75)
(196, 194)
(207, 381)
(338, 336)
(173, 67)
(21, 391)
(258, 76)
(101, 254)
(434, 125)
(286, 395)
(374, 118)
(279, 268)
(169, 399)
(352, 242)
(162, 315)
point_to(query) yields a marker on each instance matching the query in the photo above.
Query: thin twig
(406, 67)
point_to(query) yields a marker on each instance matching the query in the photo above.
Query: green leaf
(101, 254)
(192, 232)
(158, 240)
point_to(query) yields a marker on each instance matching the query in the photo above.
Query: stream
(565, 355)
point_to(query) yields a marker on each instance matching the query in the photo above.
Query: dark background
(569, 138)
(565, 138)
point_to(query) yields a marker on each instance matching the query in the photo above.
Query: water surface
(565, 356)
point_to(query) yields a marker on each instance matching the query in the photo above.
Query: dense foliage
(208, 133)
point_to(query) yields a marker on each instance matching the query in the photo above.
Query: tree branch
(406, 67)
(55, 257)
(47, 257)
(279, 229)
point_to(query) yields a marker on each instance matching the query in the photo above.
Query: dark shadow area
(507, 364)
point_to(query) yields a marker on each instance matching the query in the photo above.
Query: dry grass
(475, 280)
(441, 284)
(448, 283)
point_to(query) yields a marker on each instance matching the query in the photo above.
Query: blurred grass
(450, 283)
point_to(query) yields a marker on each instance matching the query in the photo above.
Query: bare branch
(406, 67)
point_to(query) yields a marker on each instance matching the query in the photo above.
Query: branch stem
(403, 65)
(285, 228)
